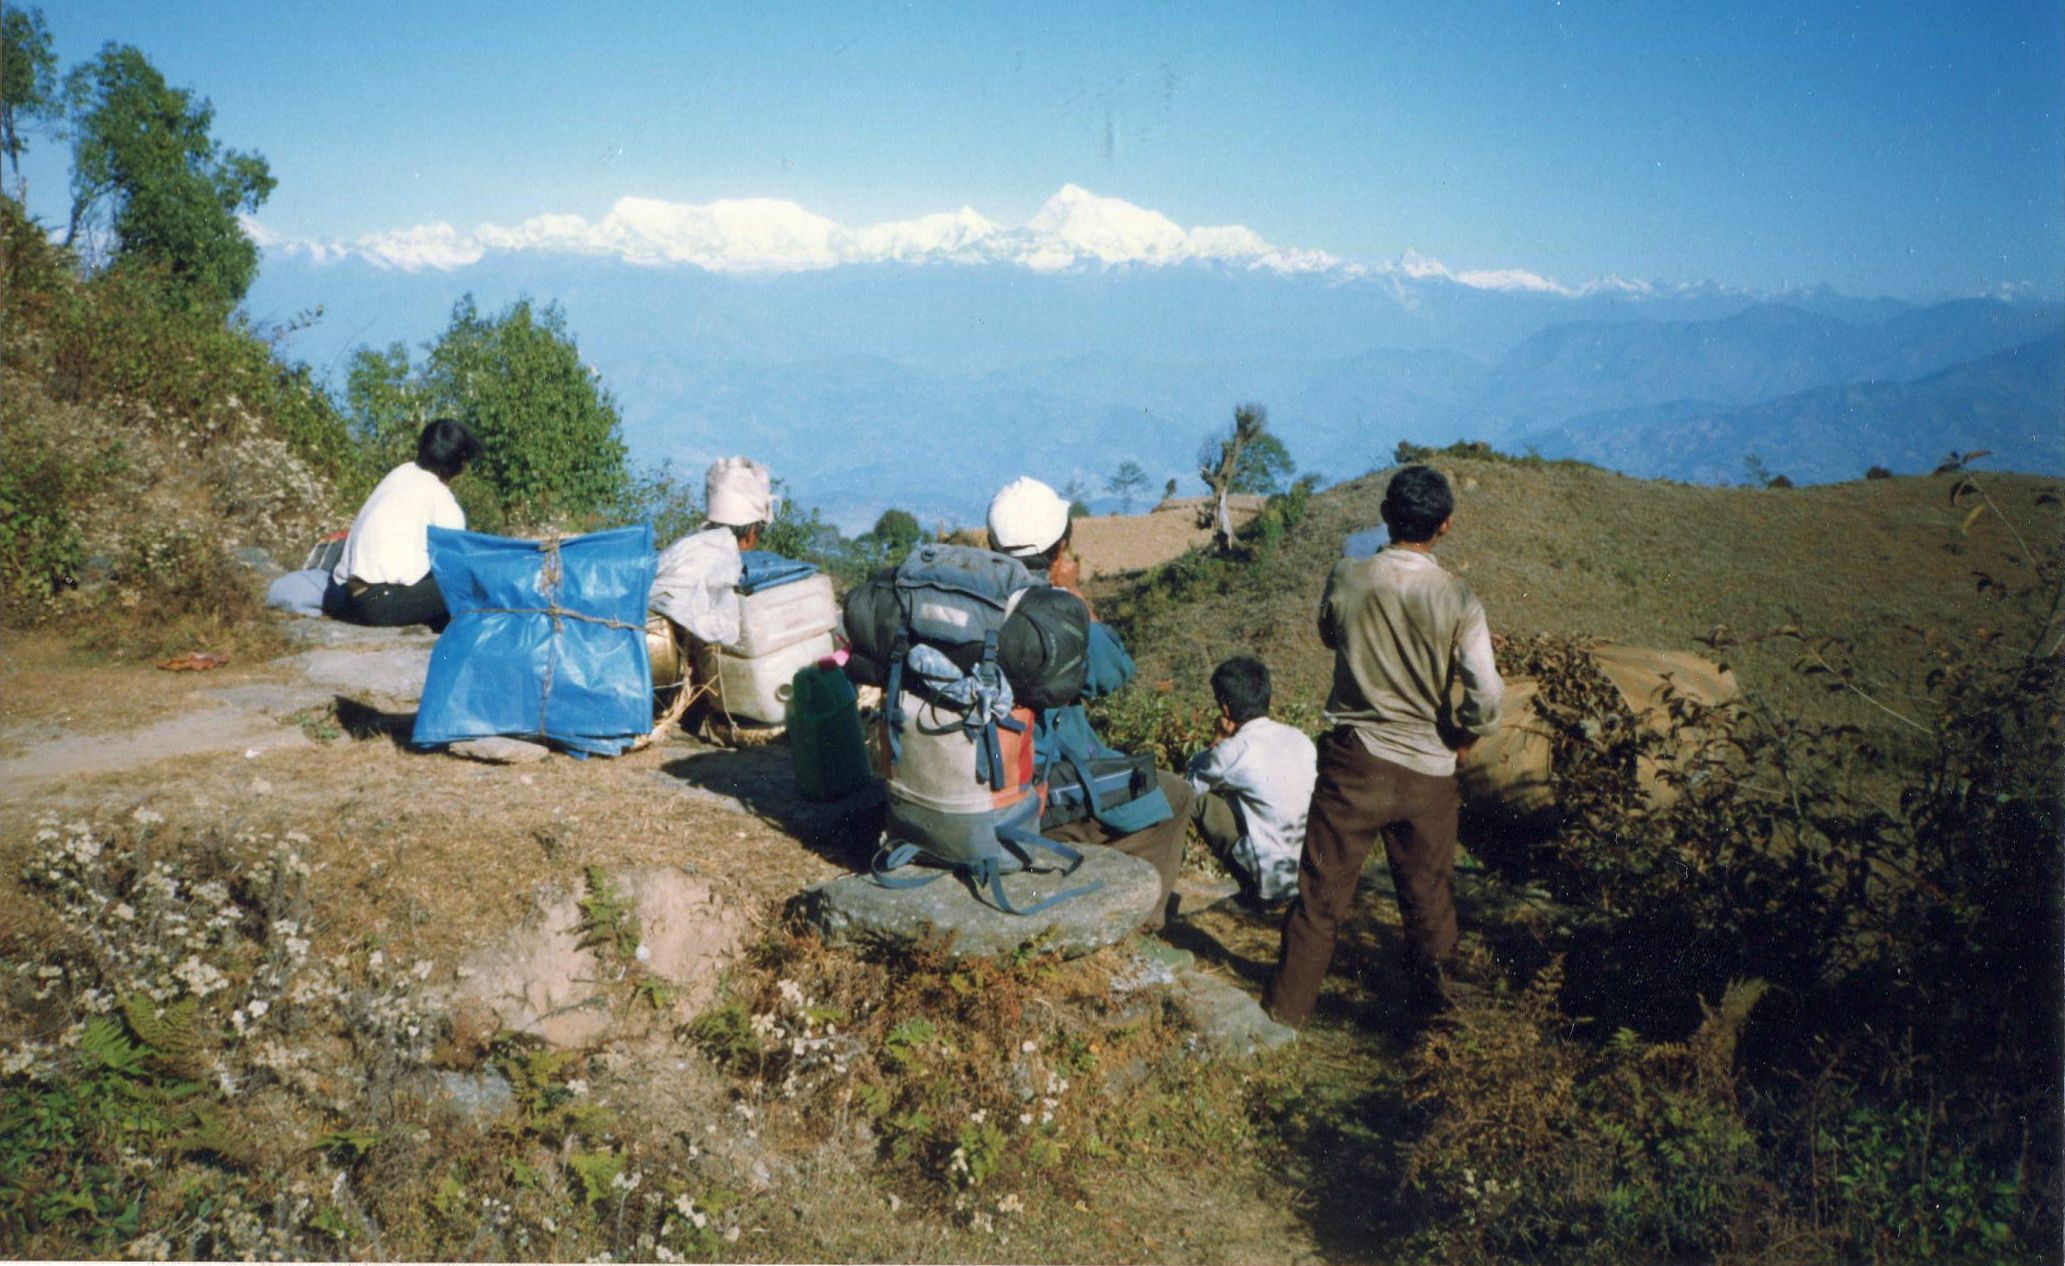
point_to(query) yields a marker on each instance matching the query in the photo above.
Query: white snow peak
(1073, 229)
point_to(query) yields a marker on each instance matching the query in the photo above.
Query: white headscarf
(737, 492)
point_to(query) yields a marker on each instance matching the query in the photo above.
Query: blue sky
(1913, 150)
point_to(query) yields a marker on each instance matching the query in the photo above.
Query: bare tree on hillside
(1218, 461)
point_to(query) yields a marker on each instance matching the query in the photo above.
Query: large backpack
(966, 787)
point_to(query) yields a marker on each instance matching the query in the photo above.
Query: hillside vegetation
(1811, 1006)
(1558, 547)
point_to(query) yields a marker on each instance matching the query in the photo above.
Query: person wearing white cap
(738, 494)
(694, 583)
(1030, 522)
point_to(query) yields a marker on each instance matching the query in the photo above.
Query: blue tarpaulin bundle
(547, 640)
(760, 569)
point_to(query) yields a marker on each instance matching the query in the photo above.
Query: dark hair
(445, 447)
(1241, 684)
(1416, 503)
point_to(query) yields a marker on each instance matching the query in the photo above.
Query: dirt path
(139, 716)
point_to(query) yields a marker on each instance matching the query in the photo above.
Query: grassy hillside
(1568, 549)
(1808, 1010)
(143, 443)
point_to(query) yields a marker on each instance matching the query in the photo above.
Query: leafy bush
(1281, 515)
(1540, 1146)
(1157, 721)
(1901, 897)
(131, 420)
(663, 498)
(172, 588)
(115, 340)
(44, 476)
(552, 444)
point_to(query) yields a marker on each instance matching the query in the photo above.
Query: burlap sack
(1509, 774)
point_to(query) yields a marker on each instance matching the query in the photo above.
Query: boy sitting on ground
(1253, 786)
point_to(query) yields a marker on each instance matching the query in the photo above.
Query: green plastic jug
(825, 742)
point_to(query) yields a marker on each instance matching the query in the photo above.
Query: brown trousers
(1160, 845)
(1357, 796)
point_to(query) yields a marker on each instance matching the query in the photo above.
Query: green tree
(145, 168)
(552, 441)
(1127, 483)
(1262, 467)
(28, 78)
(388, 406)
(894, 535)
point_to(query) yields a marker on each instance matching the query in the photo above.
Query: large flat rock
(1228, 1020)
(305, 630)
(854, 910)
(390, 672)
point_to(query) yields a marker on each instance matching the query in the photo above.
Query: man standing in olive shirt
(1401, 629)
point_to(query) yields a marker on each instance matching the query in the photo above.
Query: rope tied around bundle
(549, 579)
(550, 576)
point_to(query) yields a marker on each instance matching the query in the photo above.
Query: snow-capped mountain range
(1100, 332)
(1075, 228)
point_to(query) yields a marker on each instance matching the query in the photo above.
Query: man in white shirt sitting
(1254, 785)
(383, 578)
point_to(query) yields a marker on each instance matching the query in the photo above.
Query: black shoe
(1430, 994)
(1265, 908)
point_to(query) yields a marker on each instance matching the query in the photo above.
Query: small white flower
(643, 953)
(1028, 1046)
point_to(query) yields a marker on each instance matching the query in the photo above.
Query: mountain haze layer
(923, 362)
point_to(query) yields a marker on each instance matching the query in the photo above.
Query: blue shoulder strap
(1022, 843)
(982, 726)
(895, 857)
(892, 694)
